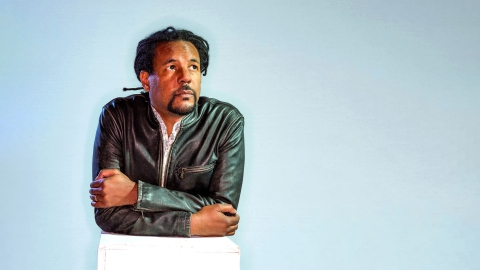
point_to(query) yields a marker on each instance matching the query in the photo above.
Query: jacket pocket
(194, 179)
(195, 169)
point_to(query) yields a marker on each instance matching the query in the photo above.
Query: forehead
(175, 50)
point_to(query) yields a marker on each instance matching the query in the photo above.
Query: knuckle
(226, 225)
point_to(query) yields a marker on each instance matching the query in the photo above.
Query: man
(168, 162)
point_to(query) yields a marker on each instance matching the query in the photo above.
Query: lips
(184, 92)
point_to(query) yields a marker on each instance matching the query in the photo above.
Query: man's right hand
(212, 221)
(112, 188)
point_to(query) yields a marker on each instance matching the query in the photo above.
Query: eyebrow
(175, 60)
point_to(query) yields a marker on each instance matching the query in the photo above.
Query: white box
(117, 252)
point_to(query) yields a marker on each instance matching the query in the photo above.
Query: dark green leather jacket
(205, 165)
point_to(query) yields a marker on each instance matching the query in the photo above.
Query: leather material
(205, 165)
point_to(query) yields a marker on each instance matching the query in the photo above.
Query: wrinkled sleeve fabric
(108, 153)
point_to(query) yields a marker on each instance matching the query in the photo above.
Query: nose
(184, 76)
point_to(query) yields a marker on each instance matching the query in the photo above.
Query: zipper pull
(182, 172)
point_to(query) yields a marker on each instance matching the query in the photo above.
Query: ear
(144, 79)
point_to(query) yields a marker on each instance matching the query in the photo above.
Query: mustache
(185, 89)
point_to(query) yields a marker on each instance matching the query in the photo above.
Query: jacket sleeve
(126, 220)
(225, 184)
(108, 153)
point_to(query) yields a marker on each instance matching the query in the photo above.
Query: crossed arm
(169, 212)
(112, 188)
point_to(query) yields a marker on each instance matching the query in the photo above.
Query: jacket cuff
(182, 227)
(179, 220)
(188, 218)
(139, 206)
(150, 198)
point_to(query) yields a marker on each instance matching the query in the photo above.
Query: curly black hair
(146, 48)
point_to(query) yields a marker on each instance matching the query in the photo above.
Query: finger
(106, 173)
(96, 191)
(227, 208)
(234, 220)
(232, 229)
(96, 183)
(96, 198)
(97, 204)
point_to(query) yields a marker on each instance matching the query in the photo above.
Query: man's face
(174, 84)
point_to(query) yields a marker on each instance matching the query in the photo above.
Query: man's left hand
(112, 188)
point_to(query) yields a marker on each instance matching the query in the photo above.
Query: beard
(182, 109)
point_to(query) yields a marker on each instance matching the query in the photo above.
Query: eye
(171, 67)
(194, 67)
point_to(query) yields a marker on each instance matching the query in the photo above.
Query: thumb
(227, 208)
(106, 173)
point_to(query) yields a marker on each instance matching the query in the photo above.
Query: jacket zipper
(160, 156)
(167, 165)
(195, 170)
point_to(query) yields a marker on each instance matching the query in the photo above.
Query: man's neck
(170, 122)
(169, 119)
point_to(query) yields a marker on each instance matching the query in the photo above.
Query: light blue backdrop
(362, 126)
